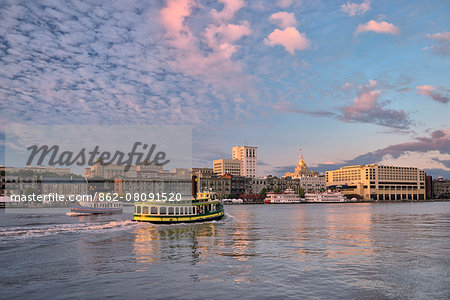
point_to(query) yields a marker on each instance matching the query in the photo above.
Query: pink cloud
(214, 66)
(172, 19)
(283, 19)
(440, 36)
(353, 9)
(346, 87)
(367, 109)
(289, 38)
(229, 10)
(378, 27)
(284, 3)
(425, 89)
(364, 103)
(438, 94)
(442, 43)
(221, 37)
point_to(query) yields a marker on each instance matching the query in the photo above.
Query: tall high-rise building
(248, 157)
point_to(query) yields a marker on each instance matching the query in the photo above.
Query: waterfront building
(38, 184)
(441, 188)
(239, 185)
(428, 186)
(182, 172)
(376, 182)
(74, 185)
(38, 170)
(232, 166)
(206, 179)
(2, 181)
(313, 184)
(20, 185)
(217, 184)
(202, 172)
(141, 186)
(110, 171)
(223, 185)
(248, 157)
(143, 170)
(272, 183)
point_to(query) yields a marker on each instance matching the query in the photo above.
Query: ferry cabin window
(177, 210)
(154, 210)
(171, 210)
(145, 210)
(138, 209)
(162, 210)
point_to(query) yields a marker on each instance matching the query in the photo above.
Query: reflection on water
(397, 250)
(173, 242)
(147, 246)
(239, 236)
(349, 233)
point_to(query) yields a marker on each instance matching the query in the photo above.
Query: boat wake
(74, 214)
(24, 232)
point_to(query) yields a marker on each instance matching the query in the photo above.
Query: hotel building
(248, 157)
(232, 166)
(374, 182)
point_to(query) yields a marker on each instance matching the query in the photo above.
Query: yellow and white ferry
(204, 207)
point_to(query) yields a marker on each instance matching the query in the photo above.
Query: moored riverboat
(326, 197)
(288, 197)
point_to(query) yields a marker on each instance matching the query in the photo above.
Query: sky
(348, 82)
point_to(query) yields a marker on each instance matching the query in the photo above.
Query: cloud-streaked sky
(346, 81)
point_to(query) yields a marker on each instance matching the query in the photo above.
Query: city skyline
(349, 82)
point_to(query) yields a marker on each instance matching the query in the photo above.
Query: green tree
(276, 190)
(301, 192)
(263, 192)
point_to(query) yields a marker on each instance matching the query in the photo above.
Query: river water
(377, 251)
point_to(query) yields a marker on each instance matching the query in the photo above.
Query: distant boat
(288, 197)
(326, 197)
(232, 201)
(96, 207)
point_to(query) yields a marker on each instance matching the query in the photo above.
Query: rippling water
(397, 250)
